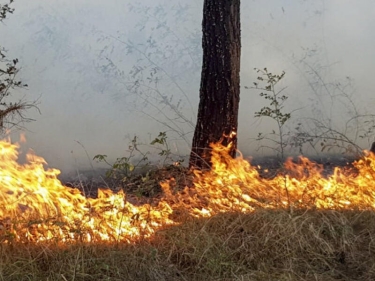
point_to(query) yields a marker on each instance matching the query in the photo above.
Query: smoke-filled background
(104, 71)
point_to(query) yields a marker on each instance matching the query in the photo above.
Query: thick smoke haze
(104, 71)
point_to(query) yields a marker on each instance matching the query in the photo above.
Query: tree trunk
(220, 80)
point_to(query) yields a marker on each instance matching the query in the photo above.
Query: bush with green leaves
(137, 159)
(267, 85)
(319, 133)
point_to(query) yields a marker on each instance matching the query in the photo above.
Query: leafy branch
(274, 110)
(11, 113)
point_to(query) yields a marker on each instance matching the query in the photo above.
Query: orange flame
(35, 206)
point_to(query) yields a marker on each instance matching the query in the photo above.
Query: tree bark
(220, 80)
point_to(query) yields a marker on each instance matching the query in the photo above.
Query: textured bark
(372, 149)
(220, 80)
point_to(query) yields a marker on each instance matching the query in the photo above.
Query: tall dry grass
(264, 245)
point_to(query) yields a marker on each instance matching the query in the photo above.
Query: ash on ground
(144, 185)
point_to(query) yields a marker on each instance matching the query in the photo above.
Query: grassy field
(264, 245)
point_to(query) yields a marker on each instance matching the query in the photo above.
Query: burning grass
(231, 224)
(264, 245)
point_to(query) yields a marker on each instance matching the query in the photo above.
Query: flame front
(36, 207)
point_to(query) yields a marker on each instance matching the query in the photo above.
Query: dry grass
(265, 245)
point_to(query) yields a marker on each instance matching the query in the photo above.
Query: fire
(36, 207)
(235, 185)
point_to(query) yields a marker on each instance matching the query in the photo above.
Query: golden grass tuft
(264, 245)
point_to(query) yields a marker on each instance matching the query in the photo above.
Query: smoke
(106, 71)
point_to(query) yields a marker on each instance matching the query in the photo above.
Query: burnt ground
(139, 186)
(143, 186)
(273, 164)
